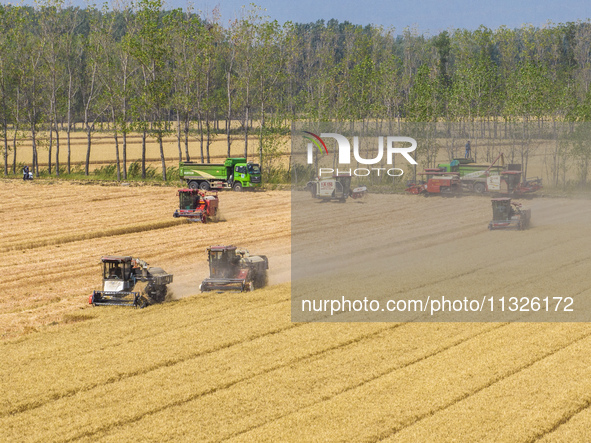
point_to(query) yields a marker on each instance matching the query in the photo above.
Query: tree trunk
(163, 161)
(229, 117)
(117, 156)
(14, 149)
(201, 133)
(50, 147)
(178, 132)
(246, 133)
(208, 126)
(69, 146)
(125, 154)
(34, 143)
(144, 154)
(261, 133)
(88, 140)
(187, 137)
(69, 128)
(57, 151)
(5, 125)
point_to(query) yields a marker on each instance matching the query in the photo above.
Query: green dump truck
(234, 173)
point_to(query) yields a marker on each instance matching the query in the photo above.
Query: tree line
(158, 72)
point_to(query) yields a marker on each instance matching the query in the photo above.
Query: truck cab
(242, 174)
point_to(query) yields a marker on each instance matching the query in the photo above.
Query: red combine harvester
(233, 269)
(197, 205)
(509, 215)
(494, 178)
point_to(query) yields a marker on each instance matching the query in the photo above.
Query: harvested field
(212, 367)
(54, 235)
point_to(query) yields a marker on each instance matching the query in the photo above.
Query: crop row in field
(216, 368)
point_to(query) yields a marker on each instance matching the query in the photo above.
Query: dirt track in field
(234, 367)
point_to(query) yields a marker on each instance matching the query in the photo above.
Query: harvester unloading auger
(233, 269)
(129, 281)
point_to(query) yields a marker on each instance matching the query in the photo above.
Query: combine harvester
(509, 215)
(197, 205)
(493, 178)
(129, 281)
(337, 187)
(233, 269)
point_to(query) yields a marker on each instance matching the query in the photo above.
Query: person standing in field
(26, 172)
(468, 149)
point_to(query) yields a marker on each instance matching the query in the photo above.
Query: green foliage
(138, 67)
(106, 172)
(423, 105)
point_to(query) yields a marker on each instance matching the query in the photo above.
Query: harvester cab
(129, 281)
(509, 215)
(337, 187)
(117, 273)
(197, 205)
(233, 269)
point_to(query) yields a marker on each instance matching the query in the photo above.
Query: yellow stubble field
(213, 367)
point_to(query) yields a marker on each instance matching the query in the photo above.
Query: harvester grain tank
(233, 269)
(234, 173)
(197, 205)
(509, 215)
(130, 281)
(337, 187)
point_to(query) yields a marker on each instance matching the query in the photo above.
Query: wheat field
(216, 367)
(103, 148)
